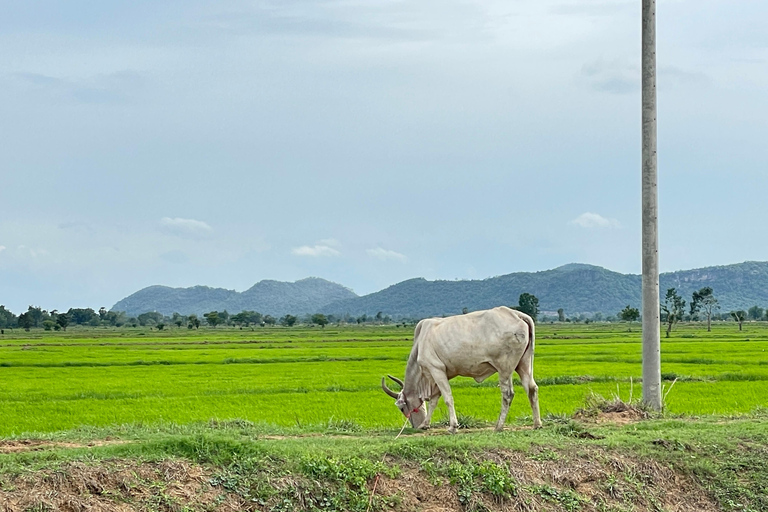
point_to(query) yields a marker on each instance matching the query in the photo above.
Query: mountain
(268, 297)
(577, 288)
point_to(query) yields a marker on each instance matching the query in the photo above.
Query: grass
(311, 376)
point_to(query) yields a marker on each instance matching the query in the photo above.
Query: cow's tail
(531, 337)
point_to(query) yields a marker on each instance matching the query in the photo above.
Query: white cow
(476, 345)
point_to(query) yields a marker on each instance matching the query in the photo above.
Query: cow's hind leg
(441, 380)
(507, 394)
(525, 371)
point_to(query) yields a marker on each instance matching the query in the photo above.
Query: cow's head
(412, 407)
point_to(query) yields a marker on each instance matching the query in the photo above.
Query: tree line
(36, 317)
(703, 305)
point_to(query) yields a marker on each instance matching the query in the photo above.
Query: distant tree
(62, 320)
(288, 321)
(629, 314)
(269, 320)
(150, 318)
(7, 319)
(673, 308)
(704, 301)
(379, 316)
(25, 321)
(755, 313)
(48, 324)
(37, 316)
(212, 318)
(738, 316)
(464, 311)
(597, 317)
(177, 319)
(560, 315)
(528, 304)
(193, 321)
(320, 319)
(224, 317)
(81, 316)
(103, 313)
(160, 326)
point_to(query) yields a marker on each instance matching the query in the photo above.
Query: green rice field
(310, 377)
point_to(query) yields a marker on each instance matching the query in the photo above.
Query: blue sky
(366, 142)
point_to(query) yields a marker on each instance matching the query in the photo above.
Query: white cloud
(185, 227)
(386, 255)
(315, 251)
(330, 242)
(593, 220)
(2, 248)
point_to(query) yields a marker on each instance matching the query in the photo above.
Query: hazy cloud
(315, 250)
(116, 87)
(386, 255)
(2, 248)
(613, 76)
(185, 227)
(594, 220)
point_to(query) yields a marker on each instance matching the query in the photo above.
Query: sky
(367, 142)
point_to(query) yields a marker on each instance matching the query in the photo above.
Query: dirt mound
(591, 479)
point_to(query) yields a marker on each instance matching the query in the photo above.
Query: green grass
(310, 376)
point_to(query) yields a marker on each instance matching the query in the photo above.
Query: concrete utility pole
(651, 324)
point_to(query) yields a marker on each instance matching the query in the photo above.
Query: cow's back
(474, 344)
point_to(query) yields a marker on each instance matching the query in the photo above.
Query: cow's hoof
(423, 426)
(536, 426)
(499, 428)
(451, 430)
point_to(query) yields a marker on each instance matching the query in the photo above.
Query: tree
(62, 320)
(560, 315)
(37, 316)
(673, 308)
(7, 319)
(193, 322)
(319, 319)
(25, 321)
(150, 318)
(80, 316)
(755, 313)
(212, 318)
(288, 321)
(629, 314)
(528, 304)
(269, 320)
(739, 316)
(704, 301)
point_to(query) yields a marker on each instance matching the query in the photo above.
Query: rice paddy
(305, 377)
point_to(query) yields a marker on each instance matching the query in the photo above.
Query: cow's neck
(412, 374)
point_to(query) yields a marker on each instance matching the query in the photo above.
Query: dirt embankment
(591, 479)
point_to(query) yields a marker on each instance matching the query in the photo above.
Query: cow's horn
(396, 380)
(386, 389)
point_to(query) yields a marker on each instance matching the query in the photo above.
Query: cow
(476, 345)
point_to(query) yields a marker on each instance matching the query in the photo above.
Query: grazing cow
(476, 345)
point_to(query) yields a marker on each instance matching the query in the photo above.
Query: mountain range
(577, 288)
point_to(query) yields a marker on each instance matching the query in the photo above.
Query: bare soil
(547, 481)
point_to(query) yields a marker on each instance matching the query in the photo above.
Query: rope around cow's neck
(376, 482)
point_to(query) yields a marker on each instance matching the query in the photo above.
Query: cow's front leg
(432, 405)
(507, 394)
(445, 389)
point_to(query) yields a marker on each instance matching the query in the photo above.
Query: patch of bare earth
(590, 479)
(593, 480)
(29, 445)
